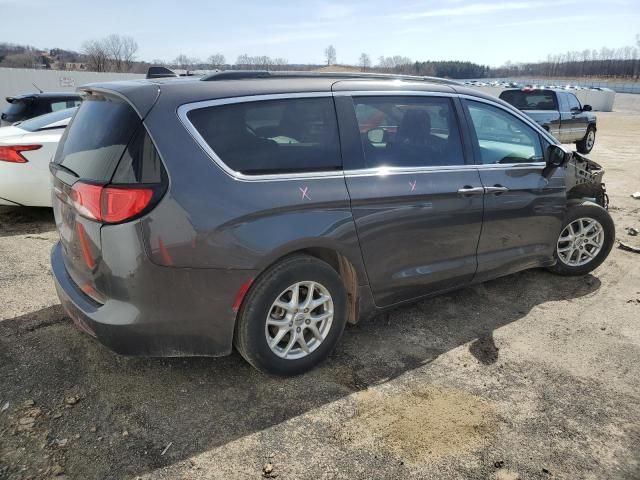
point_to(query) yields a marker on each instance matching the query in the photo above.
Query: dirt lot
(532, 376)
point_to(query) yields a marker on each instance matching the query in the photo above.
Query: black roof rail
(164, 72)
(237, 75)
(252, 74)
(160, 72)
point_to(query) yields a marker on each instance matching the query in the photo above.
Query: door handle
(469, 190)
(497, 189)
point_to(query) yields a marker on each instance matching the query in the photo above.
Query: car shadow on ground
(137, 406)
(25, 220)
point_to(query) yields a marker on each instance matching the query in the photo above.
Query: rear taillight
(13, 153)
(109, 204)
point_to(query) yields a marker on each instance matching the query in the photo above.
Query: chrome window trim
(392, 93)
(386, 171)
(184, 109)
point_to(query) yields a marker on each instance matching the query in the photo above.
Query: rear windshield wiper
(56, 166)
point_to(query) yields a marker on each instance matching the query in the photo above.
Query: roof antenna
(39, 89)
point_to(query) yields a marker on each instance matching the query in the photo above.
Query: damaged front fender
(583, 178)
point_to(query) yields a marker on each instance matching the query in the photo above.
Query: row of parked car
(265, 210)
(506, 84)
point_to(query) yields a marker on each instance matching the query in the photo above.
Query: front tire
(586, 144)
(586, 238)
(292, 317)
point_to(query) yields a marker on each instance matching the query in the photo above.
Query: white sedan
(26, 149)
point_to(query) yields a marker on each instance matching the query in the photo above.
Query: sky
(489, 33)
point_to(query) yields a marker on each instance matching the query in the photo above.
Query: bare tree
(129, 49)
(365, 62)
(113, 53)
(216, 60)
(396, 63)
(113, 47)
(243, 61)
(264, 62)
(184, 62)
(27, 59)
(330, 55)
(96, 54)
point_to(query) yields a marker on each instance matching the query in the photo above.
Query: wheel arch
(350, 270)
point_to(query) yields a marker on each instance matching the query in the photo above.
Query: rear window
(272, 136)
(49, 120)
(97, 137)
(17, 106)
(534, 100)
(57, 105)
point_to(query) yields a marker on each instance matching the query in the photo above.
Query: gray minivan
(267, 210)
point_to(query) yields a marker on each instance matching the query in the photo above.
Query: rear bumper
(168, 312)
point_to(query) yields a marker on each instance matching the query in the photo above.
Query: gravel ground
(530, 376)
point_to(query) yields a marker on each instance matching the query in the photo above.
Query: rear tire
(587, 143)
(275, 330)
(585, 240)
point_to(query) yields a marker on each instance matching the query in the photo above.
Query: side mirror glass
(586, 108)
(556, 156)
(376, 135)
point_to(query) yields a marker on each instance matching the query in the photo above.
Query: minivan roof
(143, 93)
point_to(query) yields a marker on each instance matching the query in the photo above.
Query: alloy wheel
(299, 320)
(580, 242)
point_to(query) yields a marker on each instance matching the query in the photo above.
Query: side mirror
(586, 108)
(556, 156)
(376, 135)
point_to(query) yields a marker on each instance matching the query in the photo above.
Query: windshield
(49, 120)
(534, 100)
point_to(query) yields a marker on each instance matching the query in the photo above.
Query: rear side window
(140, 162)
(408, 131)
(272, 136)
(97, 137)
(533, 100)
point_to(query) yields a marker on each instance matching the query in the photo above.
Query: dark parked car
(268, 211)
(30, 105)
(559, 112)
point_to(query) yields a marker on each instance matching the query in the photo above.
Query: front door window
(502, 138)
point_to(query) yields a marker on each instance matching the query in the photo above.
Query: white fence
(14, 81)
